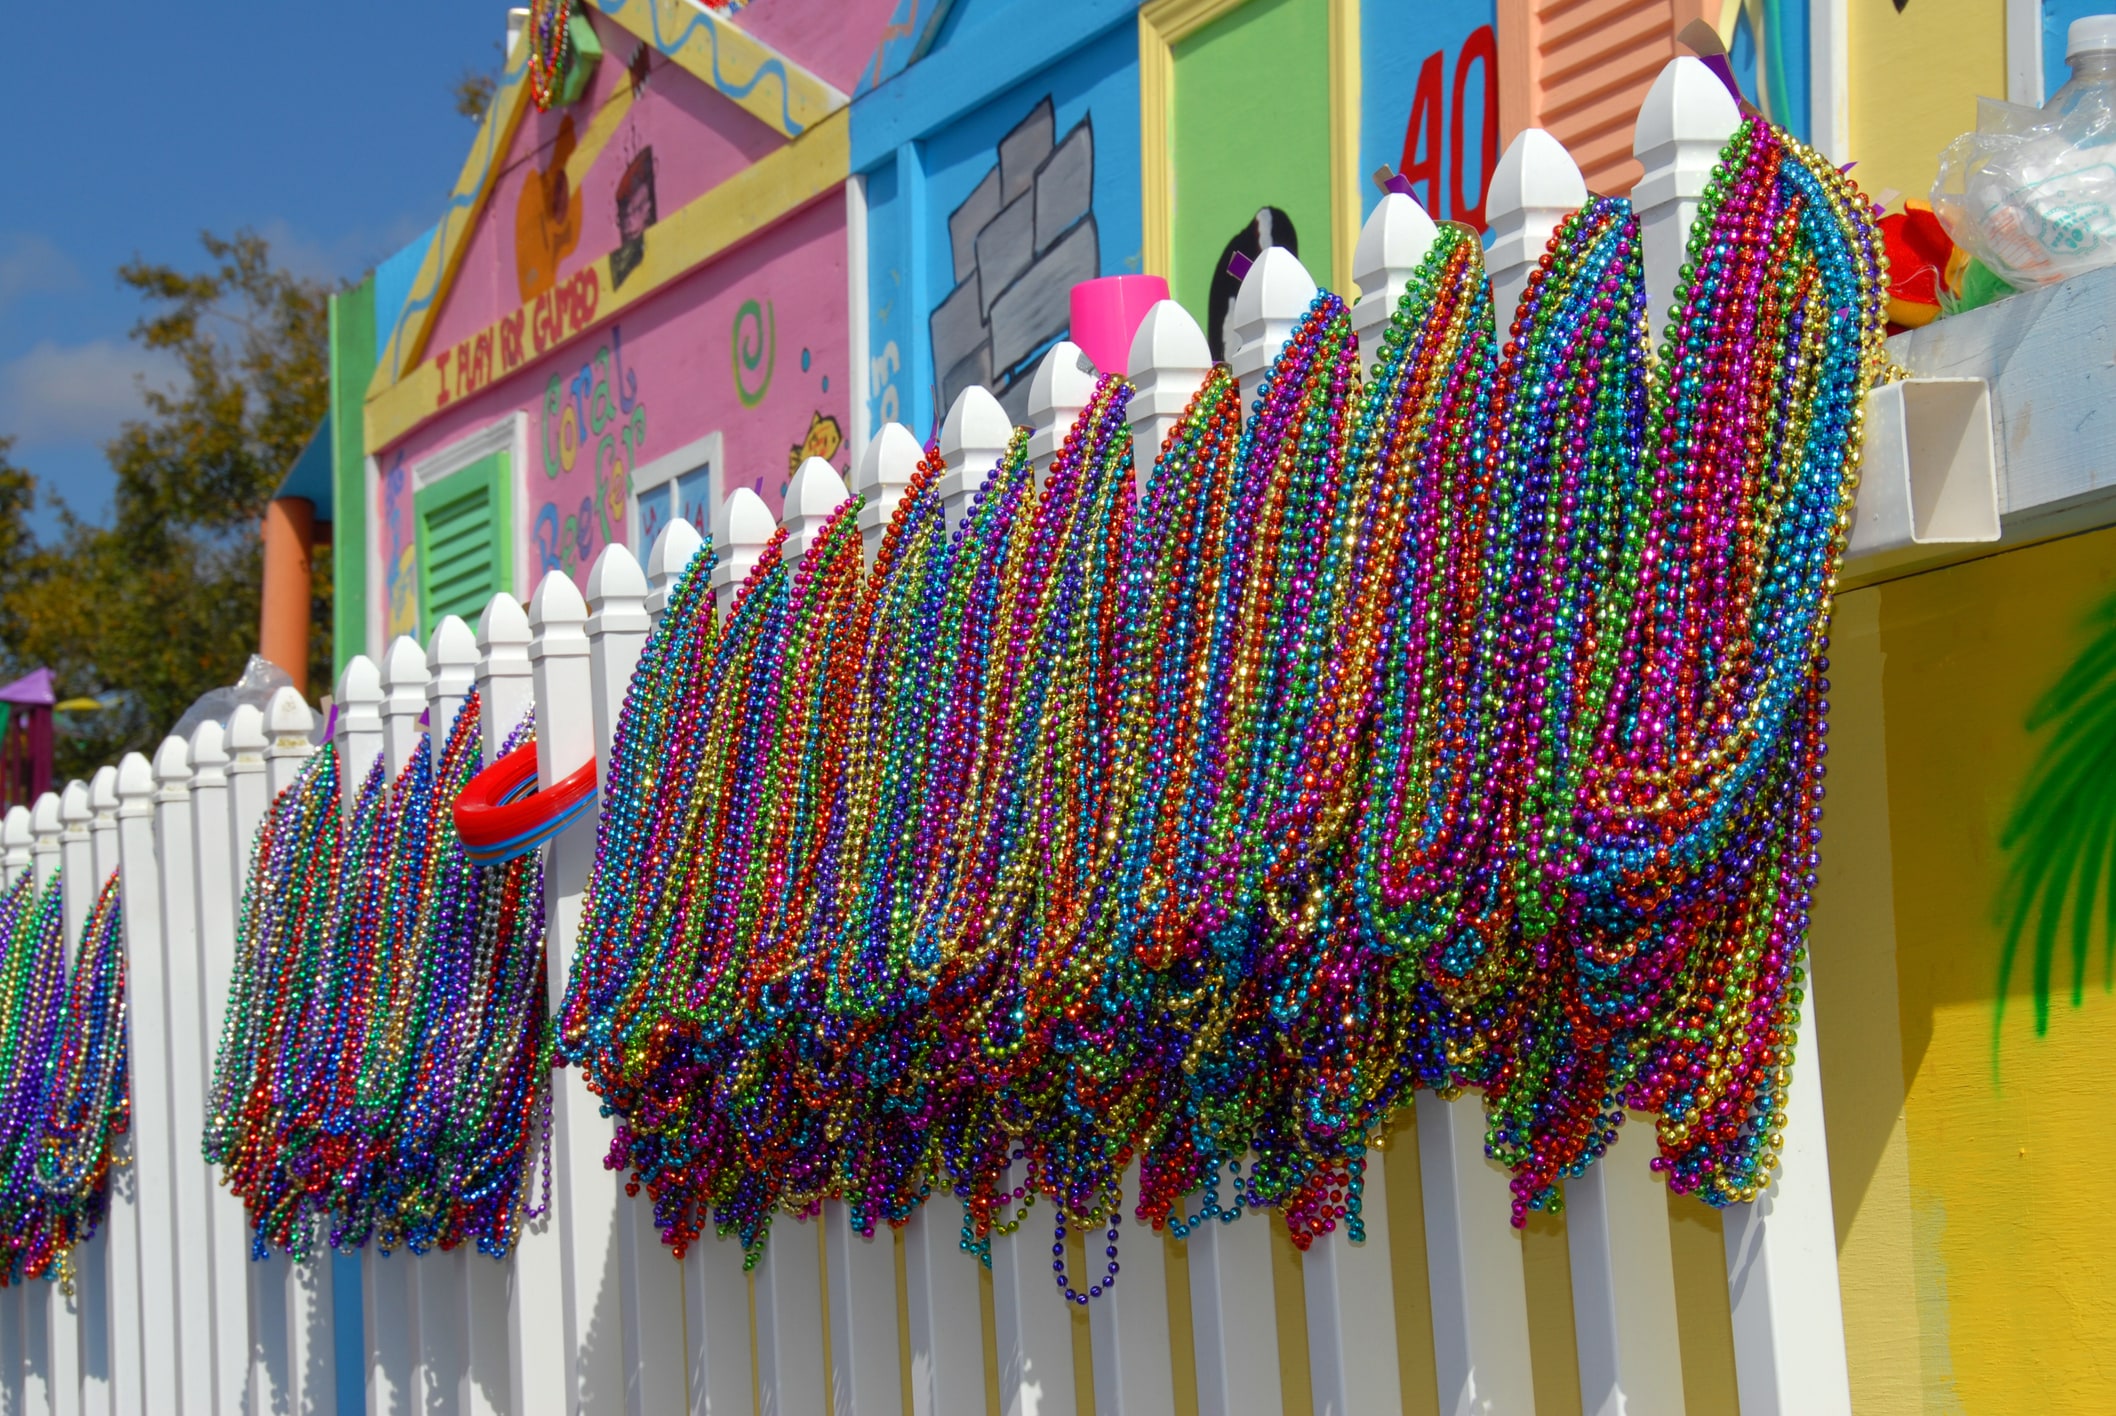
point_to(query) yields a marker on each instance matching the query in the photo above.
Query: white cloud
(60, 393)
(32, 265)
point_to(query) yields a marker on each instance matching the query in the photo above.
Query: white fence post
(1351, 1296)
(528, 1289)
(385, 1325)
(789, 1279)
(77, 856)
(1063, 386)
(1781, 1250)
(584, 1193)
(1352, 1310)
(1535, 185)
(1395, 238)
(267, 752)
(1268, 307)
(741, 526)
(1473, 1263)
(462, 1296)
(227, 1230)
(14, 1355)
(886, 469)
(110, 1291)
(1031, 1318)
(973, 438)
(430, 1349)
(1788, 1311)
(40, 1391)
(652, 1294)
(1234, 1316)
(1686, 119)
(1169, 360)
(188, 1066)
(667, 559)
(814, 493)
(715, 1289)
(147, 986)
(865, 1366)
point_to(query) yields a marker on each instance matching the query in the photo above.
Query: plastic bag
(2032, 192)
(261, 678)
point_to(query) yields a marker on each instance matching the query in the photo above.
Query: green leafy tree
(161, 604)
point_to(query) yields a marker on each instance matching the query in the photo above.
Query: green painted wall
(1250, 129)
(352, 365)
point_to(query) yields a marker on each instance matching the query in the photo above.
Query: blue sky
(330, 128)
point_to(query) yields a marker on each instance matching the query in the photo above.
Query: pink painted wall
(833, 39)
(752, 346)
(697, 137)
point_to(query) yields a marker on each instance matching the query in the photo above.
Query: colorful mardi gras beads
(1461, 730)
(32, 1002)
(87, 1101)
(282, 939)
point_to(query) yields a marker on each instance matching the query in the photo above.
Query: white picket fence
(591, 1315)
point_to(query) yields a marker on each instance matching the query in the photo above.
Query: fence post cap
(360, 696)
(743, 521)
(452, 645)
(103, 786)
(74, 808)
(1396, 236)
(1535, 173)
(246, 729)
(890, 460)
(135, 781)
(503, 623)
(1277, 287)
(1064, 382)
(403, 666)
(172, 761)
(209, 750)
(557, 603)
(673, 548)
(975, 423)
(615, 576)
(287, 715)
(1687, 103)
(815, 491)
(44, 814)
(15, 831)
(1169, 338)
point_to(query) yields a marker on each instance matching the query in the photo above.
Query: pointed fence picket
(227, 1231)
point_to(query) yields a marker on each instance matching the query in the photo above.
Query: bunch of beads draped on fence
(1458, 725)
(64, 1098)
(384, 1061)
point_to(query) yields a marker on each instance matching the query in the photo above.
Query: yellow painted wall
(1970, 1152)
(1915, 78)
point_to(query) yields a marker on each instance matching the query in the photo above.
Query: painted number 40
(1433, 140)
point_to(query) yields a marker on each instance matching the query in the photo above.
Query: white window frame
(661, 473)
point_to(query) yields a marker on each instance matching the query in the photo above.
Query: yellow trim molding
(749, 73)
(444, 252)
(746, 203)
(1163, 24)
(720, 54)
(1344, 141)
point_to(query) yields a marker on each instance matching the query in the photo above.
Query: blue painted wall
(1411, 57)
(1060, 202)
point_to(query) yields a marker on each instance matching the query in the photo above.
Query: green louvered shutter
(466, 547)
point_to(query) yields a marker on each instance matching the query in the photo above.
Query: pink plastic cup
(1107, 312)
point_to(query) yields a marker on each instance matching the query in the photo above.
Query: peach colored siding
(1580, 68)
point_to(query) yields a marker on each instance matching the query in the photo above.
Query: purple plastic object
(1107, 312)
